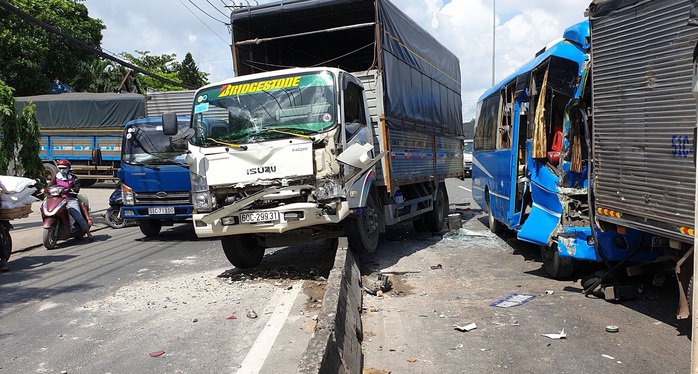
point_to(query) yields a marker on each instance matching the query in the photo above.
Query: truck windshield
(145, 144)
(264, 109)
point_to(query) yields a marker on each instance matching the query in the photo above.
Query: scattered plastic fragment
(458, 346)
(436, 267)
(412, 361)
(157, 354)
(549, 292)
(560, 335)
(465, 328)
(612, 328)
(608, 357)
(232, 317)
(514, 299)
(485, 349)
(251, 314)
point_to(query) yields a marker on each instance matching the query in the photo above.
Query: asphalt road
(439, 282)
(107, 306)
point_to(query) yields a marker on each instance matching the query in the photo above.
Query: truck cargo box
(644, 115)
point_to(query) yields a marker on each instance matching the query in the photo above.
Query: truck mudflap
(287, 217)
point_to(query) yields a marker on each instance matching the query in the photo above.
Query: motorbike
(56, 218)
(113, 213)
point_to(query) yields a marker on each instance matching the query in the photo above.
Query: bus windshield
(145, 144)
(264, 109)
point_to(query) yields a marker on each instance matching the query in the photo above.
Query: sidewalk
(27, 232)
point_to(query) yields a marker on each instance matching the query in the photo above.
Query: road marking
(255, 358)
(467, 189)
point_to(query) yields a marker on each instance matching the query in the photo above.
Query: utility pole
(494, 27)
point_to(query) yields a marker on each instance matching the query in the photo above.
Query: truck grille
(163, 198)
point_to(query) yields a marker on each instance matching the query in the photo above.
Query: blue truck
(155, 183)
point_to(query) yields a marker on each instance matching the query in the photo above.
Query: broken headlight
(328, 188)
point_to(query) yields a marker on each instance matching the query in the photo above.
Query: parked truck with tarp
(360, 136)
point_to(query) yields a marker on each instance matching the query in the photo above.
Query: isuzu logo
(261, 170)
(161, 194)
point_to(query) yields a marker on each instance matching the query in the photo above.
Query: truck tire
(150, 227)
(87, 182)
(556, 266)
(242, 251)
(50, 171)
(435, 219)
(363, 231)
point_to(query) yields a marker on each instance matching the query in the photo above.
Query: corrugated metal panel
(644, 113)
(180, 102)
(375, 106)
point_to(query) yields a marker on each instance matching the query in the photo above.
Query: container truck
(644, 126)
(344, 117)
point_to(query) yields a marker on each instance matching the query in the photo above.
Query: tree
(163, 65)
(189, 73)
(32, 57)
(21, 140)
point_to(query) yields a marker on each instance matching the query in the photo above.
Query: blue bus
(531, 163)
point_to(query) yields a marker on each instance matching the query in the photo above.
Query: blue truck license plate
(161, 210)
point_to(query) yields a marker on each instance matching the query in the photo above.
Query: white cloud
(464, 26)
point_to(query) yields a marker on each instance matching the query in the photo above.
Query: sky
(464, 26)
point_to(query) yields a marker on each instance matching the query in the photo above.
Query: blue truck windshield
(145, 144)
(264, 109)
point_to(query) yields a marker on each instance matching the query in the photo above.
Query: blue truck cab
(155, 182)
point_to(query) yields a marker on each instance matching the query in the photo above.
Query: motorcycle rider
(65, 178)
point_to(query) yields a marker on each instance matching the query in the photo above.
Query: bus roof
(572, 46)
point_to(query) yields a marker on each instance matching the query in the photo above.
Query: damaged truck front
(359, 136)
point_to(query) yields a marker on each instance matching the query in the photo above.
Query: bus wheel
(435, 219)
(556, 266)
(242, 251)
(495, 226)
(363, 231)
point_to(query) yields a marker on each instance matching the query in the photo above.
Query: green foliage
(189, 73)
(32, 56)
(21, 140)
(163, 65)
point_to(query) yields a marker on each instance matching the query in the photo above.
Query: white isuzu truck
(344, 117)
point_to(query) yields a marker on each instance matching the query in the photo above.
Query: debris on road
(436, 267)
(514, 299)
(157, 354)
(465, 328)
(608, 357)
(612, 328)
(251, 314)
(549, 292)
(458, 346)
(560, 335)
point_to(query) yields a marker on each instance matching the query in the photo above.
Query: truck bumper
(291, 217)
(181, 212)
(575, 242)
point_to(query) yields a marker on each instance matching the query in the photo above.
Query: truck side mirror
(169, 123)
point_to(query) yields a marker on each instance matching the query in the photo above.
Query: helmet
(63, 164)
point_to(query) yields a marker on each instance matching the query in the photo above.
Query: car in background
(468, 157)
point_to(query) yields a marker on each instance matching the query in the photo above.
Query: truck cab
(155, 182)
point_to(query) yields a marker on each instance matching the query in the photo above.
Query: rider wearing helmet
(65, 178)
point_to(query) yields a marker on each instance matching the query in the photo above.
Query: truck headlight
(328, 188)
(201, 196)
(127, 195)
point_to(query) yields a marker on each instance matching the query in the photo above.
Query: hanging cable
(204, 12)
(197, 17)
(214, 7)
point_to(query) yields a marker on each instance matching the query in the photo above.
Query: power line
(204, 12)
(82, 45)
(205, 24)
(214, 7)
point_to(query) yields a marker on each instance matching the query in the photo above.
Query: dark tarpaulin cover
(84, 110)
(420, 76)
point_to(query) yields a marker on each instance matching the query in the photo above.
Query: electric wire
(214, 7)
(200, 20)
(204, 12)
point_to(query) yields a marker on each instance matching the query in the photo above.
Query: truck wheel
(150, 227)
(50, 171)
(435, 219)
(87, 182)
(556, 266)
(50, 236)
(495, 226)
(242, 251)
(419, 224)
(363, 231)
